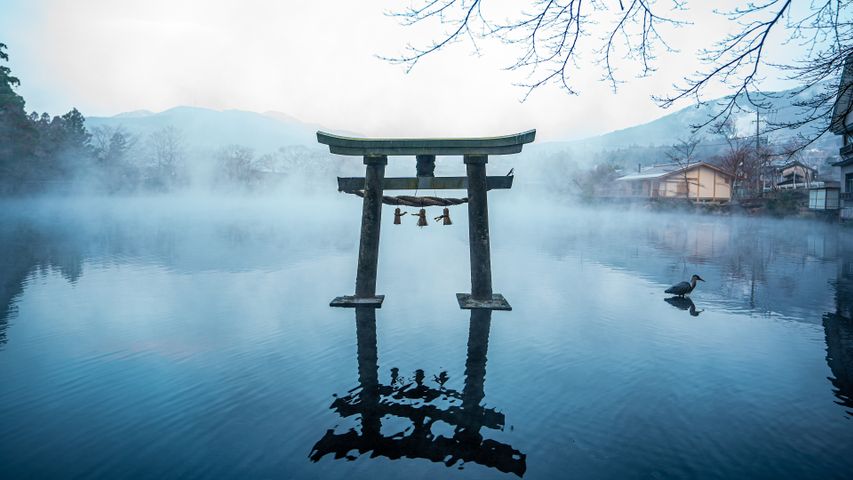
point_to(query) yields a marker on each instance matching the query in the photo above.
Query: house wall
(713, 184)
(633, 188)
(799, 171)
(703, 183)
(669, 187)
(823, 199)
(846, 190)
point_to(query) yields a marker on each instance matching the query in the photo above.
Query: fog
(752, 263)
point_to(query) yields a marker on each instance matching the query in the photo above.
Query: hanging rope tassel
(445, 216)
(422, 221)
(398, 215)
(410, 201)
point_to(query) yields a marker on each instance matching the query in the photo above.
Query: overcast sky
(314, 60)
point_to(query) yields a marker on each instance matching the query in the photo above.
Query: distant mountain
(265, 132)
(668, 129)
(206, 128)
(134, 114)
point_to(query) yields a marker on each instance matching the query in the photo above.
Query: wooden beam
(348, 184)
(426, 146)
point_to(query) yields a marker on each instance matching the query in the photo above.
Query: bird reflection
(684, 303)
(423, 405)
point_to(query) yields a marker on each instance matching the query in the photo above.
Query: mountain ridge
(271, 130)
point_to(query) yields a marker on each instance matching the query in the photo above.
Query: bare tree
(594, 182)
(761, 164)
(167, 146)
(683, 154)
(736, 158)
(237, 164)
(111, 144)
(749, 160)
(101, 140)
(552, 36)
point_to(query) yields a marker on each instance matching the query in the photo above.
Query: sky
(318, 61)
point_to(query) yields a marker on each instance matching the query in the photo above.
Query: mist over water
(189, 336)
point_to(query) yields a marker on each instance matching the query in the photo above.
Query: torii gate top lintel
(503, 145)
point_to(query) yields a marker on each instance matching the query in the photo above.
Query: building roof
(655, 171)
(661, 171)
(844, 101)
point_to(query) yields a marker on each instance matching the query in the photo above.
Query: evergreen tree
(9, 100)
(75, 136)
(18, 137)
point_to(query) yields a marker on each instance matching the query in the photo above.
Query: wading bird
(684, 288)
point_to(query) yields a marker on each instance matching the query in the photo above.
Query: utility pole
(758, 164)
(757, 131)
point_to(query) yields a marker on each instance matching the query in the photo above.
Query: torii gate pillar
(478, 240)
(371, 221)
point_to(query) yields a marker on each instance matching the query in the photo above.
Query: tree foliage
(17, 134)
(40, 153)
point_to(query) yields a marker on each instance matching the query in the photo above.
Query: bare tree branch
(683, 154)
(553, 38)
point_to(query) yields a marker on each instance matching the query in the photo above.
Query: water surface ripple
(147, 338)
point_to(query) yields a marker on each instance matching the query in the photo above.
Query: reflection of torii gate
(373, 400)
(476, 152)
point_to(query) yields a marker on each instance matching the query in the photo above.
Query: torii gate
(475, 152)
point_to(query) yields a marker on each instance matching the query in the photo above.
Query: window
(848, 183)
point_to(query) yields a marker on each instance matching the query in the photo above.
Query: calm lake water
(186, 337)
